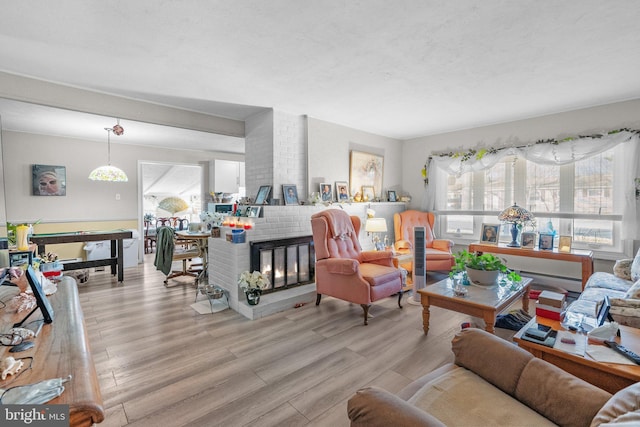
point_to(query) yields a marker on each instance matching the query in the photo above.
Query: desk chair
(167, 253)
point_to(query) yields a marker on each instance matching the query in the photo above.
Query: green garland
(478, 154)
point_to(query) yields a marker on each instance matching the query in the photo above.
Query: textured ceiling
(401, 69)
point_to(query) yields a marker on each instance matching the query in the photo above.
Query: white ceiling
(402, 69)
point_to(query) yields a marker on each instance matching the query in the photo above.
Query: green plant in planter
(485, 261)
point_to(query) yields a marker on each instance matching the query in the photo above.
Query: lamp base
(514, 236)
(513, 245)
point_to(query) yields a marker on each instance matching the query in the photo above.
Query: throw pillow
(622, 269)
(634, 291)
(635, 267)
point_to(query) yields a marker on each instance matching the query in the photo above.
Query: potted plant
(481, 269)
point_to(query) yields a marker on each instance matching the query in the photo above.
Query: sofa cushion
(604, 280)
(635, 267)
(543, 385)
(626, 401)
(462, 398)
(622, 269)
(490, 357)
(375, 407)
(634, 291)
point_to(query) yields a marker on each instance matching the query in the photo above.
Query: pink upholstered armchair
(346, 272)
(438, 251)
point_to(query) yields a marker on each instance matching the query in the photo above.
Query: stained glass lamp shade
(516, 216)
(108, 172)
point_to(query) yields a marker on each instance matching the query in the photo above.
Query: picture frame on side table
(342, 191)
(368, 193)
(545, 241)
(564, 243)
(263, 195)
(528, 240)
(490, 234)
(391, 196)
(326, 192)
(290, 192)
(42, 302)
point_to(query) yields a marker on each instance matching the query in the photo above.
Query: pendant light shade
(108, 172)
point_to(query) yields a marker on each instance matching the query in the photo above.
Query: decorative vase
(253, 296)
(482, 277)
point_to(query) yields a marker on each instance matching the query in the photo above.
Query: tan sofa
(493, 382)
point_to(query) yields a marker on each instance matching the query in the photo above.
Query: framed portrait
(528, 240)
(564, 243)
(489, 234)
(365, 170)
(391, 196)
(263, 195)
(290, 192)
(254, 211)
(342, 191)
(326, 192)
(545, 241)
(368, 193)
(49, 180)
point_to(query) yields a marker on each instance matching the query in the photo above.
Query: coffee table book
(553, 299)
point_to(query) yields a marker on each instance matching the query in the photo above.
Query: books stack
(550, 305)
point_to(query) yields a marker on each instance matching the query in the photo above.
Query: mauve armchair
(344, 270)
(438, 251)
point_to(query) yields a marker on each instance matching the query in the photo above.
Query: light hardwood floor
(160, 363)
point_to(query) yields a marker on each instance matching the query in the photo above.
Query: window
(577, 199)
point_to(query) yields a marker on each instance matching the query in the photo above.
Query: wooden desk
(116, 261)
(611, 377)
(61, 349)
(581, 256)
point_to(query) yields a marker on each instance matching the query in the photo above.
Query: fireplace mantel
(228, 260)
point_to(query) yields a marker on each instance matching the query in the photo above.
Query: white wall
(578, 122)
(85, 200)
(329, 147)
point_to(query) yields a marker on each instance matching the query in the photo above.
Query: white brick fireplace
(228, 260)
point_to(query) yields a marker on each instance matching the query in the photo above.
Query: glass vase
(253, 296)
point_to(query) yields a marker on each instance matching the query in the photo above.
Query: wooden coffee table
(480, 301)
(611, 377)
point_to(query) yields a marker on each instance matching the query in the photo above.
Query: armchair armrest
(340, 265)
(403, 244)
(376, 407)
(377, 257)
(442, 245)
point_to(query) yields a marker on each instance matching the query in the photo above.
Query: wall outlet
(117, 196)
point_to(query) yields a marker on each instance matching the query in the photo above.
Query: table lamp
(374, 226)
(515, 215)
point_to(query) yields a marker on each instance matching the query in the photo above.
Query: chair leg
(318, 296)
(365, 307)
(400, 298)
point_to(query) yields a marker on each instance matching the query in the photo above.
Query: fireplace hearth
(287, 262)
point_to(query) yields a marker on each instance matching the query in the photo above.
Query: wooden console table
(116, 261)
(61, 349)
(581, 256)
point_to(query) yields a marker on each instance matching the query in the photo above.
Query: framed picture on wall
(290, 192)
(365, 169)
(489, 234)
(326, 192)
(49, 180)
(342, 191)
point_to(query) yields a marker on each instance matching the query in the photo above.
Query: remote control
(623, 351)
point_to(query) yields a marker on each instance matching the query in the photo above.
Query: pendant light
(108, 172)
